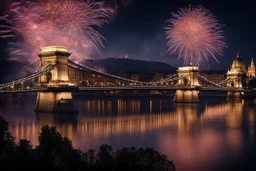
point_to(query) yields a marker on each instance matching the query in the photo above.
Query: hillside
(118, 65)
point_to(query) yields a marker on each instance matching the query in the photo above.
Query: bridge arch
(232, 84)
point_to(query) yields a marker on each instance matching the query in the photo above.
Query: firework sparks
(194, 34)
(31, 25)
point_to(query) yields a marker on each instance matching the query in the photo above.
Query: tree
(7, 141)
(57, 151)
(24, 146)
(24, 157)
(126, 159)
(142, 159)
(105, 157)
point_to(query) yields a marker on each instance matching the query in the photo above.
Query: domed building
(238, 65)
(236, 76)
(239, 74)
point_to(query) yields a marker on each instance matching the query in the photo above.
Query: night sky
(138, 30)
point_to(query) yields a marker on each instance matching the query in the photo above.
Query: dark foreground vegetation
(57, 153)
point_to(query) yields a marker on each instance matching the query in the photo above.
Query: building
(251, 70)
(239, 74)
(158, 77)
(169, 75)
(238, 66)
(135, 77)
(216, 76)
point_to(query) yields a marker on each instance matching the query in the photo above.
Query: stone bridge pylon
(58, 56)
(190, 82)
(236, 83)
(58, 96)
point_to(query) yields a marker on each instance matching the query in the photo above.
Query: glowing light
(194, 34)
(54, 49)
(30, 25)
(188, 68)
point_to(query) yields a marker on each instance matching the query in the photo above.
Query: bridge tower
(188, 93)
(58, 96)
(58, 56)
(237, 79)
(236, 83)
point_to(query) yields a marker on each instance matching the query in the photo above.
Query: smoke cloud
(114, 7)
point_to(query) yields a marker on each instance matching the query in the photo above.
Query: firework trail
(30, 25)
(194, 34)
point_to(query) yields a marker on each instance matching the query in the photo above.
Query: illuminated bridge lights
(99, 80)
(30, 77)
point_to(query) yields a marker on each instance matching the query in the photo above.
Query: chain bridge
(58, 77)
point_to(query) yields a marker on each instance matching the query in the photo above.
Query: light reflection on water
(212, 135)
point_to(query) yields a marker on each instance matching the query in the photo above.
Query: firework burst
(31, 25)
(194, 34)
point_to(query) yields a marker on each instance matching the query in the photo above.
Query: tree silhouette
(7, 141)
(55, 152)
(23, 156)
(142, 159)
(105, 157)
(24, 147)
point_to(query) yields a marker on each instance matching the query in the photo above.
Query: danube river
(216, 134)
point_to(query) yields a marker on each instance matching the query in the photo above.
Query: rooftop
(54, 49)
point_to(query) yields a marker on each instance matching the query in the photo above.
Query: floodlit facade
(239, 67)
(251, 70)
(238, 72)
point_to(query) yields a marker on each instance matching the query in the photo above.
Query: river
(215, 134)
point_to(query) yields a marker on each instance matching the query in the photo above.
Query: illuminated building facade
(239, 74)
(158, 77)
(236, 72)
(135, 77)
(238, 66)
(251, 70)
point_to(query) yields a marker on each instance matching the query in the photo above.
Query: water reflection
(118, 116)
(188, 117)
(197, 136)
(124, 106)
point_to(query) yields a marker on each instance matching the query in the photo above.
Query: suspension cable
(46, 70)
(83, 67)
